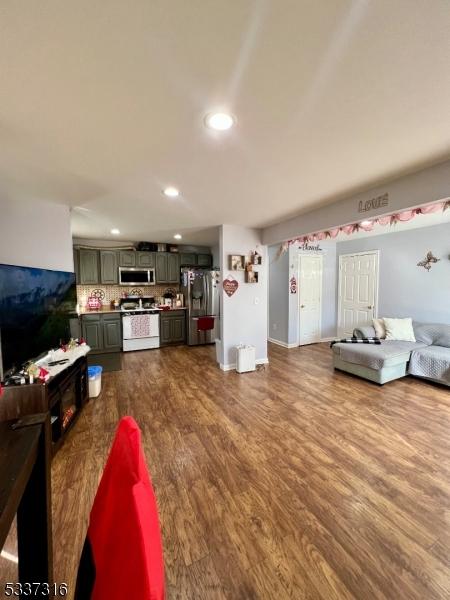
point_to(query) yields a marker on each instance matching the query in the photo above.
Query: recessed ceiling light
(219, 121)
(366, 223)
(115, 231)
(178, 236)
(171, 192)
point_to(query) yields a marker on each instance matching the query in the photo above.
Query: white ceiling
(102, 105)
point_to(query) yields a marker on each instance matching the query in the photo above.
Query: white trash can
(95, 381)
(245, 358)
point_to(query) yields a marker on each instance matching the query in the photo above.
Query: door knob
(302, 306)
(369, 307)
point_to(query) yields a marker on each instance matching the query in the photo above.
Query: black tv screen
(34, 312)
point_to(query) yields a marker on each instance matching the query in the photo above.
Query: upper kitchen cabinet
(161, 271)
(88, 266)
(145, 259)
(167, 267)
(204, 260)
(109, 267)
(127, 258)
(173, 268)
(191, 259)
(188, 259)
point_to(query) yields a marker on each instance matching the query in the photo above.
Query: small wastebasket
(245, 358)
(95, 381)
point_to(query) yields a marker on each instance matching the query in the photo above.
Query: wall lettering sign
(310, 247)
(377, 202)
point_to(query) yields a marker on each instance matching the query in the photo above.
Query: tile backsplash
(113, 292)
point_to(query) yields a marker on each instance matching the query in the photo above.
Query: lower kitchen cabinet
(172, 328)
(103, 333)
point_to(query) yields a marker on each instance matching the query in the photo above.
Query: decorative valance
(368, 224)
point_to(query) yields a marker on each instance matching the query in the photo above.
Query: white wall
(244, 315)
(428, 185)
(283, 306)
(278, 295)
(406, 290)
(36, 234)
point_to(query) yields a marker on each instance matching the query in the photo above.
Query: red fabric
(124, 527)
(205, 323)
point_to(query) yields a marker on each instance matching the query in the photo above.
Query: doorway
(357, 290)
(310, 298)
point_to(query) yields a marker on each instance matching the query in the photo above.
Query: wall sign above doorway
(374, 203)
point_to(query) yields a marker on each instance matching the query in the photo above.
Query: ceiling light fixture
(178, 236)
(365, 223)
(115, 231)
(219, 121)
(171, 192)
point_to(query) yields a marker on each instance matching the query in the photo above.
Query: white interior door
(310, 298)
(358, 291)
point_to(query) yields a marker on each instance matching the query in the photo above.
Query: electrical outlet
(274, 326)
(256, 300)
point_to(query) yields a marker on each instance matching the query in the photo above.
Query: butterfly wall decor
(428, 261)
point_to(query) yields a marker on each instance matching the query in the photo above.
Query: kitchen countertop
(105, 310)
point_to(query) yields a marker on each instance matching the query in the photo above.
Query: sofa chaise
(428, 356)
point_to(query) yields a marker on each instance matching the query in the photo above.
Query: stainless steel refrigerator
(201, 296)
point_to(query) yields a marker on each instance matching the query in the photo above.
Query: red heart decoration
(230, 286)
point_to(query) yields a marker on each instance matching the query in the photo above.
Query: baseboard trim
(280, 343)
(232, 366)
(327, 339)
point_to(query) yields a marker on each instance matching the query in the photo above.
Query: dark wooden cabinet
(161, 271)
(172, 328)
(167, 267)
(91, 331)
(112, 333)
(127, 258)
(109, 269)
(204, 260)
(88, 266)
(188, 259)
(103, 333)
(145, 259)
(173, 268)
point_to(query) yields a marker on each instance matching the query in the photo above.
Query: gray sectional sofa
(428, 356)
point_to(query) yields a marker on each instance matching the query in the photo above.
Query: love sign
(230, 286)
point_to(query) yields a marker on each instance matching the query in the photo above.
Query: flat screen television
(35, 307)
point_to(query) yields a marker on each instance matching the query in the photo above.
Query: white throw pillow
(399, 329)
(380, 329)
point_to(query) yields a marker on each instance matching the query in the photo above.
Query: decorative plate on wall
(98, 293)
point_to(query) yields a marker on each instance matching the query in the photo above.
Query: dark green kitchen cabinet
(112, 333)
(127, 258)
(173, 268)
(204, 260)
(161, 267)
(145, 259)
(109, 268)
(188, 259)
(167, 267)
(172, 328)
(92, 332)
(88, 266)
(103, 333)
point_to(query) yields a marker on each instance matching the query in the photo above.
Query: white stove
(140, 325)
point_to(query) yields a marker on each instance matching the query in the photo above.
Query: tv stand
(63, 396)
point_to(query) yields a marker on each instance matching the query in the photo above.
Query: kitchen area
(143, 296)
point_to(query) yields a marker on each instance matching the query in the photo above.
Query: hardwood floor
(290, 482)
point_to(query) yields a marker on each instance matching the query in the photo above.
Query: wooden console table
(25, 490)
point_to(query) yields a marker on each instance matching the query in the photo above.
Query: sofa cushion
(432, 333)
(387, 354)
(432, 362)
(399, 329)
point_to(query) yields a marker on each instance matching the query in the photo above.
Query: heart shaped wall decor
(230, 286)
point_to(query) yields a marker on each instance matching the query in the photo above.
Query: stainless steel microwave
(136, 276)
